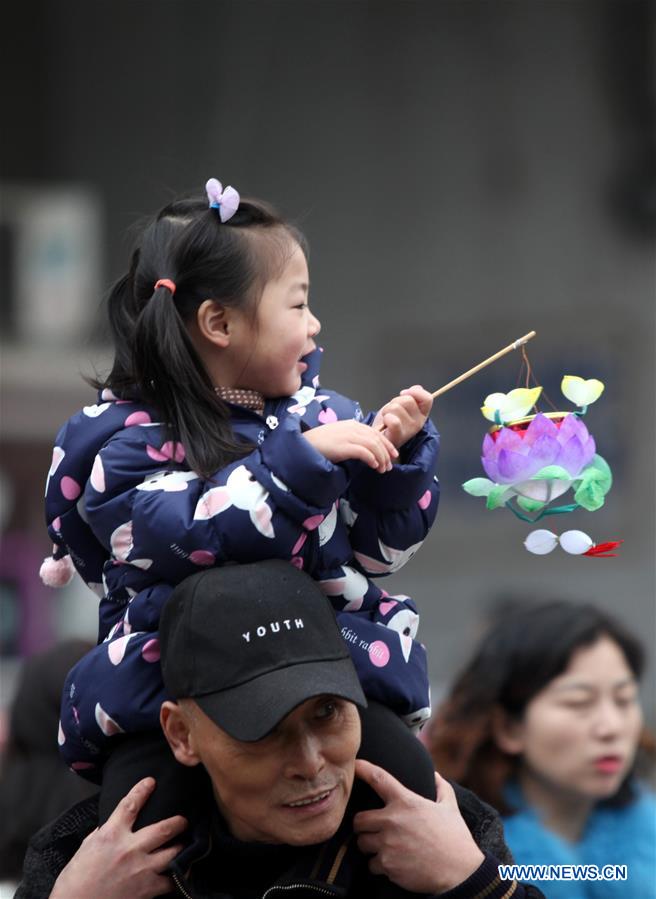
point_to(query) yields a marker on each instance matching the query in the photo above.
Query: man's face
(290, 787)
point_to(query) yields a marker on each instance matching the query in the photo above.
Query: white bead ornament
(541, 542)
(575, 542)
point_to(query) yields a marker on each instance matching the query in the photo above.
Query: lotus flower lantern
(533, 459)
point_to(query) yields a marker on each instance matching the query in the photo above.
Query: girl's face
(579, 734)
(269, 350)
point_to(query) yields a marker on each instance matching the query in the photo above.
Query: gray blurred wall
(465, 171)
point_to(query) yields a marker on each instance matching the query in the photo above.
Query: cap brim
(250, 711)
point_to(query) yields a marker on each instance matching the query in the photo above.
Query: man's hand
(113, 862)
(341, 440)
(405, 415)
(420, 845)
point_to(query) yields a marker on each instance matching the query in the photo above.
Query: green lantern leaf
(498, 495)
(529, 505)
(601, 466)
(594, 483)
(552, 473)
(478, 486)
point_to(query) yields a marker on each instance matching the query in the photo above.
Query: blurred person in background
(35, 784)
(545, 724)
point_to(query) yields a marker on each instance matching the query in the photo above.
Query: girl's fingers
(421, 396)
(363, 454)
(342, 440)
(381, 427)
(382, 449)
(384, 454)
(389, 446)
(393, 427)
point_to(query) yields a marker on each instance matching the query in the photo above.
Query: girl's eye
(301, 306)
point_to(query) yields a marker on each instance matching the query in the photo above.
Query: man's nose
(304, 757)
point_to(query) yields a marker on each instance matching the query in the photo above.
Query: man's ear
(507, 731)
(214, 321)
(175, 724)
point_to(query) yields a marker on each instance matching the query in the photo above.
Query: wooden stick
(472, 371)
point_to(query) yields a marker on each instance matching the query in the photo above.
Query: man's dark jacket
(335, 868)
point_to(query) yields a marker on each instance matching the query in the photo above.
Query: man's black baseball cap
(249, 643)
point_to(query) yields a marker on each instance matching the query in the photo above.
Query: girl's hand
(405, 415)
(114, 862)
(341, 440)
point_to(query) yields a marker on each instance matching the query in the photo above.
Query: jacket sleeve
(389, 515)
(38, 878)
(52, 847)
(486, 883)
(151, 512)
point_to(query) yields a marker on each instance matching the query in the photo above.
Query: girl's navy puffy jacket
(136, 521)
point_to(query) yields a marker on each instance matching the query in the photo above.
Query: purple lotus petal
(509, 440)
(490, 467)
(489, 446)
(544, 451)
(539, 427)
(489, 458)
(511, 469)
(589, 449)
(514, 467)
(573, 426)
(570, 456)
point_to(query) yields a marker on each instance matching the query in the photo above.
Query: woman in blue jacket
(545, 724)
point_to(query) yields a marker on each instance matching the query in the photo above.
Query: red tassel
(603, 550)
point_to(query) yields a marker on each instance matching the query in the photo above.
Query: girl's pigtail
(171, 377)
(122, 312)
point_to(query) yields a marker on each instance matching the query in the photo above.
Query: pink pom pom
(57, 572)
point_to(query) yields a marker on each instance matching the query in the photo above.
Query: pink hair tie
(226, 201)
(165, 282)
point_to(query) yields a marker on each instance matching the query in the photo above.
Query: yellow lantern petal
(510, 406)
(581, 392)
(492, 404)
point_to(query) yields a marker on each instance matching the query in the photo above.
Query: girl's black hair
(524, 650)
(155, 358)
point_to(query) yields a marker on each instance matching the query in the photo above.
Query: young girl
(213, 443)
